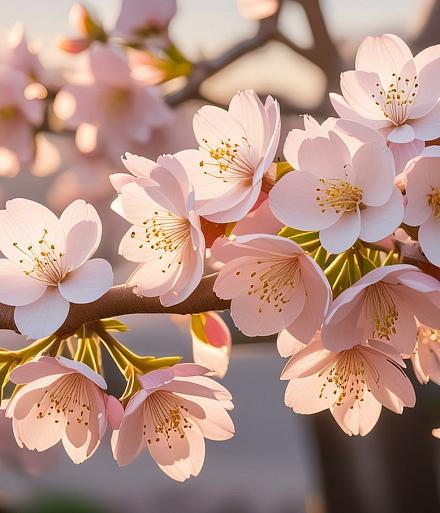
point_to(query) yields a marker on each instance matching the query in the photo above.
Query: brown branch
(120, 300)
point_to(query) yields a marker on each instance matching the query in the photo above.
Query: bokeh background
(278, 462)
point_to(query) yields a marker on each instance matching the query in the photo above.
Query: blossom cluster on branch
(313, 249)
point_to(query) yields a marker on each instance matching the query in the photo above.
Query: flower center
(67, 398)
(168, 416)
(229, 161)
(396, 101)
(382, 309)
(117, 100)
(275, 282)
(42, 261)
(165, 233)
(434, 201)
(347, 374)
(339, 195)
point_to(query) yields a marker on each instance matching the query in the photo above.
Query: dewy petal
(87, 283)
(384, 55)
(44, 316)
(429, 236)
(343, 234)
(16, 288)
(293, 201)
(379, 222)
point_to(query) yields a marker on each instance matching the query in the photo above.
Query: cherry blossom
(47, 264)
(382, 305)
(342, 190)
(426, 356)
(273, 284)
(166, 238)
(394, 92)
(175, 410)
(353, 383)
(110, 109)
(423, 200)
(258, 9)
(18, 118)
(211, 342)
(237, 147)
(60, 400)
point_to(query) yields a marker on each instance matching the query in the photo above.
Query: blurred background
(61, 125)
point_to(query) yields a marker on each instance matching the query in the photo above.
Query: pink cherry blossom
(258, 9)
(110, 109)
(47, 264)
(139, 19)
(18, 117)
(394, 92)
(166, 238)
(423, 200)
(353, 383)
(60, 399)
(382, 305)
(345, 190)
(211, 342)
(273, 284)
(237, 147)
(175, 410)
(426, 355)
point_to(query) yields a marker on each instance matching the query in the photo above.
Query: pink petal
(83, 369)
(44, 316)
(358, 88)
(374, 173)
(87, 283)
(402, 134)
(109, 66)
(294, 202)
(383, 55)
(427, 127)
(16, 288)
(343, 234)
(129, 439)
(349, 113)
(287, 344)
(379, 222)
(429, 233)
(403, 153)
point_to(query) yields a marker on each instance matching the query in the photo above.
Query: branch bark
(120, 300)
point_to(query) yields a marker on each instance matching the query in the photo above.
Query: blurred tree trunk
(392, 470)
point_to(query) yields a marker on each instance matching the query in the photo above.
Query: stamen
(434, 201)
(383, 311)
(396, 101)
(339, 195)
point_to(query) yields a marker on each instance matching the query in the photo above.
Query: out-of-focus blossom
(86, 177)
(260, 220)
(18, 55)
(394, 92)
(47, 158)
(426, 355)
(60, 399)
(236, 150)
(211, 342)
(138, 20)
(165, 238)
(342, 191)
(88, 28)
(353, 384)
(423, 201)
(382, 305)
(175, 410)
(258, 9)
(111, 110)
(16, 458)
(273, 284)
(18, 117)
(47, 264)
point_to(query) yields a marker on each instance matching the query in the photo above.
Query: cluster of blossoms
(305, 249)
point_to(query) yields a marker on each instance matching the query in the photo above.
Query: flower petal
(16, 288)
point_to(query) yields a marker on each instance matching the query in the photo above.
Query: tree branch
(120, 300)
